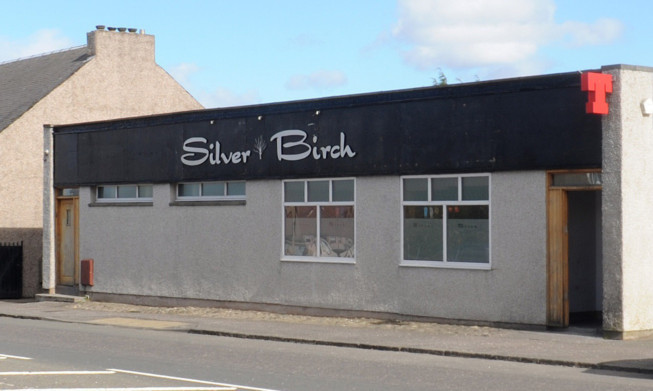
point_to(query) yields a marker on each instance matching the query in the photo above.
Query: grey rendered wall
(233, 253)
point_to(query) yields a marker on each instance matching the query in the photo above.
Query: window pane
(70, 192)
(300, 231)
(235, 188)
(468, 234)
(213, 189)
(476, 188)
(343, 190)
(444, 189)
(188, 190)
(577, 179)
(423, 233)
(337, 231)
(318, 191)
(145, 191)
(106, 192)
(416, 189)
(126, 191)
(293, 191)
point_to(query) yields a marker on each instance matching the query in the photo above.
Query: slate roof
(25, 82)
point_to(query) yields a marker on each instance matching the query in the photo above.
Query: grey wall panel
(233, 253)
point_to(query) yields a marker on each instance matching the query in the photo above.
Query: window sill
(147, 203)
(208, 203)
(447, 265)
(341, 261)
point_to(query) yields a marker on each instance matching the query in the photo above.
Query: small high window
(124, 193)
(211, 191)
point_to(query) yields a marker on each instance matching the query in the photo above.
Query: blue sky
(240, 52)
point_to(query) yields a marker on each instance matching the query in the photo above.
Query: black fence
(11, 270)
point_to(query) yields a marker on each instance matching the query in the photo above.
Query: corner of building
(627, 210)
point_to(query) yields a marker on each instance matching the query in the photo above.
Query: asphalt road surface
(64, 356)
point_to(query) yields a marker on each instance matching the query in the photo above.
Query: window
(319, 220)
(211, 191)
(446, 221)
(124, 193)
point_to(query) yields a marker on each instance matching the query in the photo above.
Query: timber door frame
(74, 200)
(557, 265)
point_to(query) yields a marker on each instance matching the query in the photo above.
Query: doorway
(67, 239)
(574, 248)
(585, 257)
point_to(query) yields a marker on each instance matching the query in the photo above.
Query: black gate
(11, 270)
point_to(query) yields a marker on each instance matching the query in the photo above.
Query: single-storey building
(518, 202)
(113, 75)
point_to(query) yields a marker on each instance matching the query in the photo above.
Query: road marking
(133, 389)
(233, 386)
(14, 357)
(37, 373)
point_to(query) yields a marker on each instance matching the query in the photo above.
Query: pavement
(572, 347)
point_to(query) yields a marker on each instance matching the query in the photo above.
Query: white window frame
(459, 202)
(201, 197)
(118, 199)
(317, 204)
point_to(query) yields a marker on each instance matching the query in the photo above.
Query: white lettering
(291, 146)
(305, 150)
(187, 158)
(281, 145)
(213, 153)
(346, 149)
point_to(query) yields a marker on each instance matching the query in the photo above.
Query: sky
(241, 52)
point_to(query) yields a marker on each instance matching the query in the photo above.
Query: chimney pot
(122, 29)
(111, 28)
(132, 30)
(100, 27)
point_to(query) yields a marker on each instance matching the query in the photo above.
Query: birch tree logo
(259, 146)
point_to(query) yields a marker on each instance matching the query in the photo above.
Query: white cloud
(183, 72)
(42, 41)
(222, 97)
(600, 32)
(488, 33)
(317, 80)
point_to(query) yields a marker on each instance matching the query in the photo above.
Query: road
(55, 355)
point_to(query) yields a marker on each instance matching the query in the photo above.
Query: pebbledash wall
(470, 163)
(234, 254)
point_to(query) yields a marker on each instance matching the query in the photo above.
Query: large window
(446, 220)
(124, 193)
(319, 220)
(211, 191)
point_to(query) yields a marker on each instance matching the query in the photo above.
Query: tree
(441, 80)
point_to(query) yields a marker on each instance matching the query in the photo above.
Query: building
(517, 202)
(114, 75)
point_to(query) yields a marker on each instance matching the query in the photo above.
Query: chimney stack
(123, 44)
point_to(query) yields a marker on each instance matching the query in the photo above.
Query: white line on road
(132, 389)
(233, 386)
(34, 373)
(14, 357)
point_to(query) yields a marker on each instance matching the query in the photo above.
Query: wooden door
(67, 241)
(557, 259)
